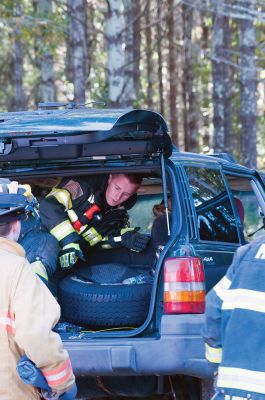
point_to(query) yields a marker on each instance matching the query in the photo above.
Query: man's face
(15, 230)
(119, 189)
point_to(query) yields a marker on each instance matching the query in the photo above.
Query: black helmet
(16, 201)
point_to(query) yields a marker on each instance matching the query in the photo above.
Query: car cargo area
(111, 290)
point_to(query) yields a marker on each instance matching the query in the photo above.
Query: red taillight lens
(184, 289)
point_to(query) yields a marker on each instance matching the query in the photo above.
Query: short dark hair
(5, 228)
(134, 178)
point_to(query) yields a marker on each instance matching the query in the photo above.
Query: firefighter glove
(69, 255)
(134, 240)
(30, 374)
(116, 216)
(111, 220)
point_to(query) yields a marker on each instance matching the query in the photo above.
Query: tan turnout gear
(28, 312)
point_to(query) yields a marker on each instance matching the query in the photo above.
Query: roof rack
(68, 105)
(224, 156)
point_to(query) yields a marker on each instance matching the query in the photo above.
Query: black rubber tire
(86, 303)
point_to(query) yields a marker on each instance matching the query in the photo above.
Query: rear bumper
(179, 349)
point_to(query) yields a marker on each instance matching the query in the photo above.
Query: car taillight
(184, 288)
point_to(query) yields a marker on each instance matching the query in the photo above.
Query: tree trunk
(228, 84)
(19, 95)
(90, 39)
(129, 95)
(69, 72)
(160, 57)
(172, 72)
(206, 91)
(116, 59)
(47, 86)
(248, 89)
(190, 125)
(149, 57)
(136, 50)
(78, 48)
(218, 83)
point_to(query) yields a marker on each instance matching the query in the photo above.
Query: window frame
(218, 168)
(258, 191)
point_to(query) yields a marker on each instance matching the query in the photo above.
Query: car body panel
(178, 349)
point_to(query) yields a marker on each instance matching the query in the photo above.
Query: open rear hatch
(46, 136)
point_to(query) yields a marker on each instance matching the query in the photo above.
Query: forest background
(200, 63)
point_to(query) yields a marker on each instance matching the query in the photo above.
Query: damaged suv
(143, 337)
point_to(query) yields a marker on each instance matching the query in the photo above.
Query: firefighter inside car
(91, 212)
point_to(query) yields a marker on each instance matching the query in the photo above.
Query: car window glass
(149, 194)
(141, 215)
(250, 214)
(215, 216)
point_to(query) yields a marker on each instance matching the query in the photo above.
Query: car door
(217, 228)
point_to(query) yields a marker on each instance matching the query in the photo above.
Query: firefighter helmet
(16, 201)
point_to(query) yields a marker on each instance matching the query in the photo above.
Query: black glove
(112, 220)
(117, 217)
(134, 240)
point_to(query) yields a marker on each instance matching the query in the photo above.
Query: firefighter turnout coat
(63, 211)
(28, 312)
(235, 325)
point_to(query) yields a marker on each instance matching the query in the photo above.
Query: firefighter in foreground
(28, 311)
(235, 326)
(87, 212)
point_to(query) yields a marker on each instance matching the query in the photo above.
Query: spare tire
(84, 302)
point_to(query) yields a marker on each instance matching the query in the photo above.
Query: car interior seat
(240, 209)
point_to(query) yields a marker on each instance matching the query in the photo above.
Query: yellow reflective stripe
(39, 269)
(106, 246)
(245, 299)
(62, 196)
(91, 235)
(222, 287)
(243, 379)
(72, 215)
(72, 246)
(62, 230)
(124, 230)
(213, 354)
(95, 240)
